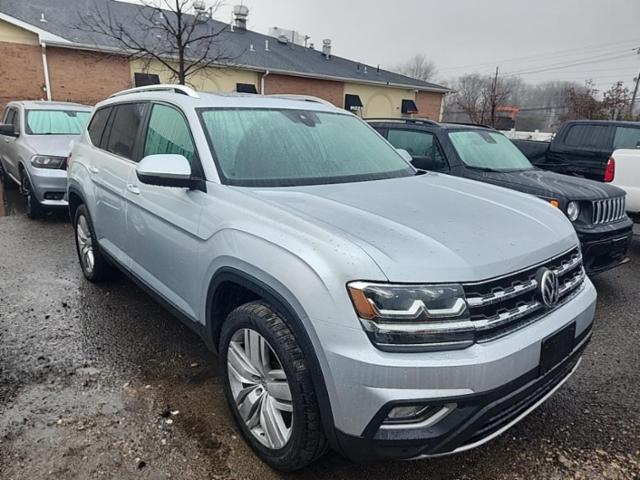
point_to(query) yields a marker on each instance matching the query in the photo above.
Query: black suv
(477, 152)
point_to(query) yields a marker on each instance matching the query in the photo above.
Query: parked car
(35, 140)
(628, 178)
(484, 154)
(355, 301)
(583, 148)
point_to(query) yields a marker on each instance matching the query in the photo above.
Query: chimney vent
(326, 48)
(266, 45)
(240, 14)
(42, 18)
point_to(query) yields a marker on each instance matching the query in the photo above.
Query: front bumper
(476, 420)
(481, 381)
(46, 182)
(605, 247)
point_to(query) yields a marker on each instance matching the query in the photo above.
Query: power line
(546, 55)
(558, 66)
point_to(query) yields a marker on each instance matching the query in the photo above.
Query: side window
(626, 137)
(168, 132)
(124, 128)
(97, 126)
(10, 116)
(422, 146)
(587, 136)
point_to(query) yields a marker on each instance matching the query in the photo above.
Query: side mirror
(166, 170)
(404, 154)
(8, 130)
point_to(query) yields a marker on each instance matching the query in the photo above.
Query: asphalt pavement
(98, 381)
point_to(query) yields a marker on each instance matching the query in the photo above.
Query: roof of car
(608, 122)
(47, 105)
(430, 123)
(247, 49)
(186, 98)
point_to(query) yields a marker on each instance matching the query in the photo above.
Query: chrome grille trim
(500, 306)
(608, 210)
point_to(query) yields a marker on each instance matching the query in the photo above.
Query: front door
(162, 222)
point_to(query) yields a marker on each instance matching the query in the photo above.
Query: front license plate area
(557, 347)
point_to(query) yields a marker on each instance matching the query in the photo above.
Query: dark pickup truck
(583, 148)
(597, 210)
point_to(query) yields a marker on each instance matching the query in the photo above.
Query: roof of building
(58, 21)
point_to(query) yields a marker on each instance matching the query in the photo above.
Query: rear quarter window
(626, 137)
(588, 136)
(125, 123)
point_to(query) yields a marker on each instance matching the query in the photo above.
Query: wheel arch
(255, 288)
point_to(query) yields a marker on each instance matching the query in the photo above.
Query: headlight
(46, 161)
(413, 317)
(573, 211)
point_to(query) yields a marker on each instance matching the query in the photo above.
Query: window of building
(145, 79)
(246, 88)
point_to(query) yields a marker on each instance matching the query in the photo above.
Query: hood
(434, 227)
(54, 145)
(547, 184)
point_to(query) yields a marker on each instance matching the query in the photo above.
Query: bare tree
(582, 103)
(469, 96)
(178, 34)
(418, 67)
(495, 95)
(616, 102)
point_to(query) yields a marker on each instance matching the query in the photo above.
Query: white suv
(357, 302)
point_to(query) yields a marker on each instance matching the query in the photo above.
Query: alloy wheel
(260, 388)
(85, 244)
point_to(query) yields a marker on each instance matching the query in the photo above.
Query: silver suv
(356, 302)
(35, 140)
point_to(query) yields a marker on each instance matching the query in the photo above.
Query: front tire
(269, 389)
(94, 266)
(33, 208)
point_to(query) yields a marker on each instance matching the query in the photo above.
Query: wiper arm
(483, 169)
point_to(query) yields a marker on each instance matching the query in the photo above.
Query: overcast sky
(471, 35)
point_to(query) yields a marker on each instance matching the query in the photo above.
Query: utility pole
(635, 90)
(493, 98)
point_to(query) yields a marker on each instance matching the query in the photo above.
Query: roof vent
(326, 48)
(252, 48)
(283, 39)
(240, 14)
(266, 45)
(312, 46)
(42, 18)
(202, 13)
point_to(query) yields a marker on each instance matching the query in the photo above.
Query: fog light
(400, 414)
(53, 195)
(416, 416)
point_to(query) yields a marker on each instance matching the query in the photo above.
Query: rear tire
(271, 397)
(5, 179)
(94, 265)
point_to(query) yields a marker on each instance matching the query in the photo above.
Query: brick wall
(21, 73)
(325, 89)
(428, 104)
(86, 77)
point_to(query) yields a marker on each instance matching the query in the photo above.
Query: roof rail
(471, 124)
(304, 98)
(402, 119)
(183, 89)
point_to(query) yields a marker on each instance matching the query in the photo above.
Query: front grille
(607, 211)
(501, 306)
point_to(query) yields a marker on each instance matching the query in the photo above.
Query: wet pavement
(101, 382)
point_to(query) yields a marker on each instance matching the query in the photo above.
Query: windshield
(486, 150)
(56, 122)
(267, 147)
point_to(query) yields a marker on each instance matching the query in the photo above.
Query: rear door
(110, 167)
(582, 149)
(162, 222)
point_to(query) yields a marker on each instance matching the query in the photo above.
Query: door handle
(94, 170)
(133, 188)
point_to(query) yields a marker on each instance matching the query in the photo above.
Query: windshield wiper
(484, 169)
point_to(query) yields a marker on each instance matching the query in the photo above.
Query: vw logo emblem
(548, 286)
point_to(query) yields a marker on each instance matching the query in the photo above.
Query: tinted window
(9, 117)
(626, 137)
(586, 136)
(56, 122)
(168, 132)
(271, 147)
(97, 125)
(422, 146)
(124, 128)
